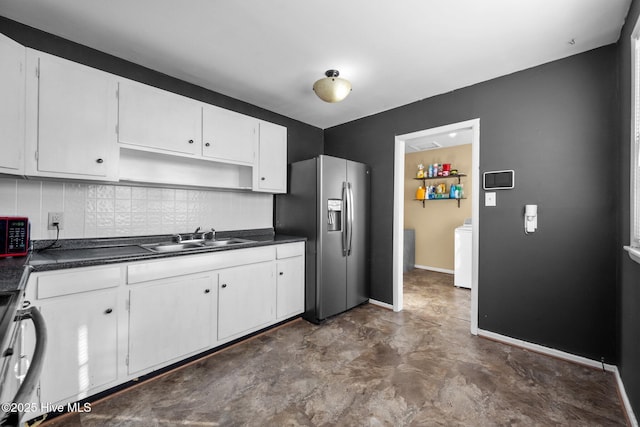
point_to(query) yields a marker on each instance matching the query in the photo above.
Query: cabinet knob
(263, 178)
(99, 161)
(207, 144)
(224, 285)
(191, 141)
(108, 311)
(282, 273)
(206, 291)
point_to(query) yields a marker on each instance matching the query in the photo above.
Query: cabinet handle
(207, 144)
(263, 178)
(224, 285)
(191, 141)
(99, 161)
(206, 291)
(282, 273)
(108, 311)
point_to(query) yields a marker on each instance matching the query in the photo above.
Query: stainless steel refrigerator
(328, 203)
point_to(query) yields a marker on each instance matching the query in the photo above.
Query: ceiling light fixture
(332, 88)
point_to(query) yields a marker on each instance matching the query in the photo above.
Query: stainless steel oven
(19, 366)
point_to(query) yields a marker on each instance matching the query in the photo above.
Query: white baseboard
(436, 269)
(571, 358)
(625, 400)
(381, 304)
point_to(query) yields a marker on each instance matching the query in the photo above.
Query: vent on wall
(422, 145)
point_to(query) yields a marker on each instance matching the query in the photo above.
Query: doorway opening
(420, 139)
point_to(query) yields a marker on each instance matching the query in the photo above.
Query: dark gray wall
(629, 271)
(556, 125)
(304, 140)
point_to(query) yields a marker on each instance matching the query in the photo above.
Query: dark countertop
(73, 253)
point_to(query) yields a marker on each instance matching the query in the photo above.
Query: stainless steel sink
(172, 247)
(185, 246)
(226, 242)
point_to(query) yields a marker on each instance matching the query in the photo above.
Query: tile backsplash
(103, 210)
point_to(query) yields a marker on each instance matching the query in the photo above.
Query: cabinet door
(81, 349)
(169, 319)
(73, 110)
(290, 287)
(12, 88)
(228, 136)
(246, 299)
(271, 172)
(157, 119)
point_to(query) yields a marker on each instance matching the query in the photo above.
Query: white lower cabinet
(80, 308)
(246, 299)
(169, 319)
(290, 295)
(107, 325)
(81, 352)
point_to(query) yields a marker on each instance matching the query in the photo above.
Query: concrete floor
(371, 367)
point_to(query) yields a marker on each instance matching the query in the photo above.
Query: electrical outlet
(55, 218)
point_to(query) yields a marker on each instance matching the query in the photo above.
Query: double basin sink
(194, 244)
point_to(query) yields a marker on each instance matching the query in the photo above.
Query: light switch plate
(490, 199)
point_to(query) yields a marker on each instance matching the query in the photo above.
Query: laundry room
(438, 208)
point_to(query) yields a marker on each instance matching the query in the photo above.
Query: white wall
(101, 210)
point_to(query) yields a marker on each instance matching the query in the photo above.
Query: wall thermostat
(498, 180)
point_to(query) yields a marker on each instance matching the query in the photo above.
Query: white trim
(546, 350)
(475, 225)
(398, 210)
(634, 253)
(625, 399)
(570, 358)
(380, 304)
(633, 158)
(436, 269)
(398, 223)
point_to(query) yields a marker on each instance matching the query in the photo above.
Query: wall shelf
(425, 179)
(442, 198)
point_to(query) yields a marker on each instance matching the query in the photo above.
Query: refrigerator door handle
(350, 217)
(345, 218)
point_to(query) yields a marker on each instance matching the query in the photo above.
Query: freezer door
(358, 177)
(331, 261)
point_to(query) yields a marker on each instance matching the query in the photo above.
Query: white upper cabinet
(71, 120)
(12, 88)
(157, 119)
(270, 172)
(228, 136)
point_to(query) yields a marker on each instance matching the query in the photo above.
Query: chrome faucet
(210, 235)
(196, 235)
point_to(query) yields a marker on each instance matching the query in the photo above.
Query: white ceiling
(270, 52)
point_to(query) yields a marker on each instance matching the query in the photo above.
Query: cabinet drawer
(72, 282)
(290, 250)
(181, 265)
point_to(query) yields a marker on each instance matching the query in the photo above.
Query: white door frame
(398, 210)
